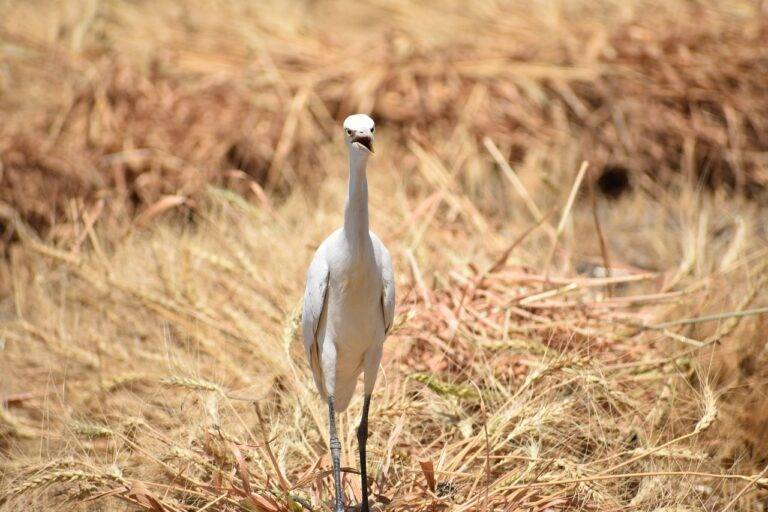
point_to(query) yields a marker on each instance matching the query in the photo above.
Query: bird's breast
(356, 289)
(354, 303)
(355, 272)
(355, 317)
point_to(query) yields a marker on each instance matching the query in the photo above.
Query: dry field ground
(568, 336)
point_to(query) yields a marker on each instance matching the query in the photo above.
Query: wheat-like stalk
(710, 410)
(194, 383)
(670, 453)
(92, 430)
(60, 476)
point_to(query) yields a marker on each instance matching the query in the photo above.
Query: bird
(349, 304)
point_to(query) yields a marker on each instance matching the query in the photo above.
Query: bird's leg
(335, 454)
(362, 439)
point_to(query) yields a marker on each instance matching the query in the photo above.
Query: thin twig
(711, 318)
(564, 216)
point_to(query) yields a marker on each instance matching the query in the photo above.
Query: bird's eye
(373, 129)
(349, 132)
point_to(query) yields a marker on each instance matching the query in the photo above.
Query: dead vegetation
(166, 174)
(150, 99)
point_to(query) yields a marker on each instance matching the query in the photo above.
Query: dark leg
(362, 439)
(335, 455)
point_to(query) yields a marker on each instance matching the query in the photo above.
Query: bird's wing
(314, 302)
(388, 283)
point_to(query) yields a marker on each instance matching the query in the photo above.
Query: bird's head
(358, 133)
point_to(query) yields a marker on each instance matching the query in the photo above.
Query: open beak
(363, 141)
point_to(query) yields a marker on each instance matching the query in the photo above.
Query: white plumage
(348, 310)
(349, 301)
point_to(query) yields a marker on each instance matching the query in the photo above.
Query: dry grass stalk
(509, 371)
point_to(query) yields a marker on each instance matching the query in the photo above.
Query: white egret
(349, 303)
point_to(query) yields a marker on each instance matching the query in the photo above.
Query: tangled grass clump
(186, 385)
(165, 175)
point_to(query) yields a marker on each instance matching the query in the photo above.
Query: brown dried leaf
(145, 498)
(163, 204)
(242, 469)
(429, 473)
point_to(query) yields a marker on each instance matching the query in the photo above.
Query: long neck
(356, 209)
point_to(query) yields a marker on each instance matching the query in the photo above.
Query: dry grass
(152, 99)
(160, 206)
